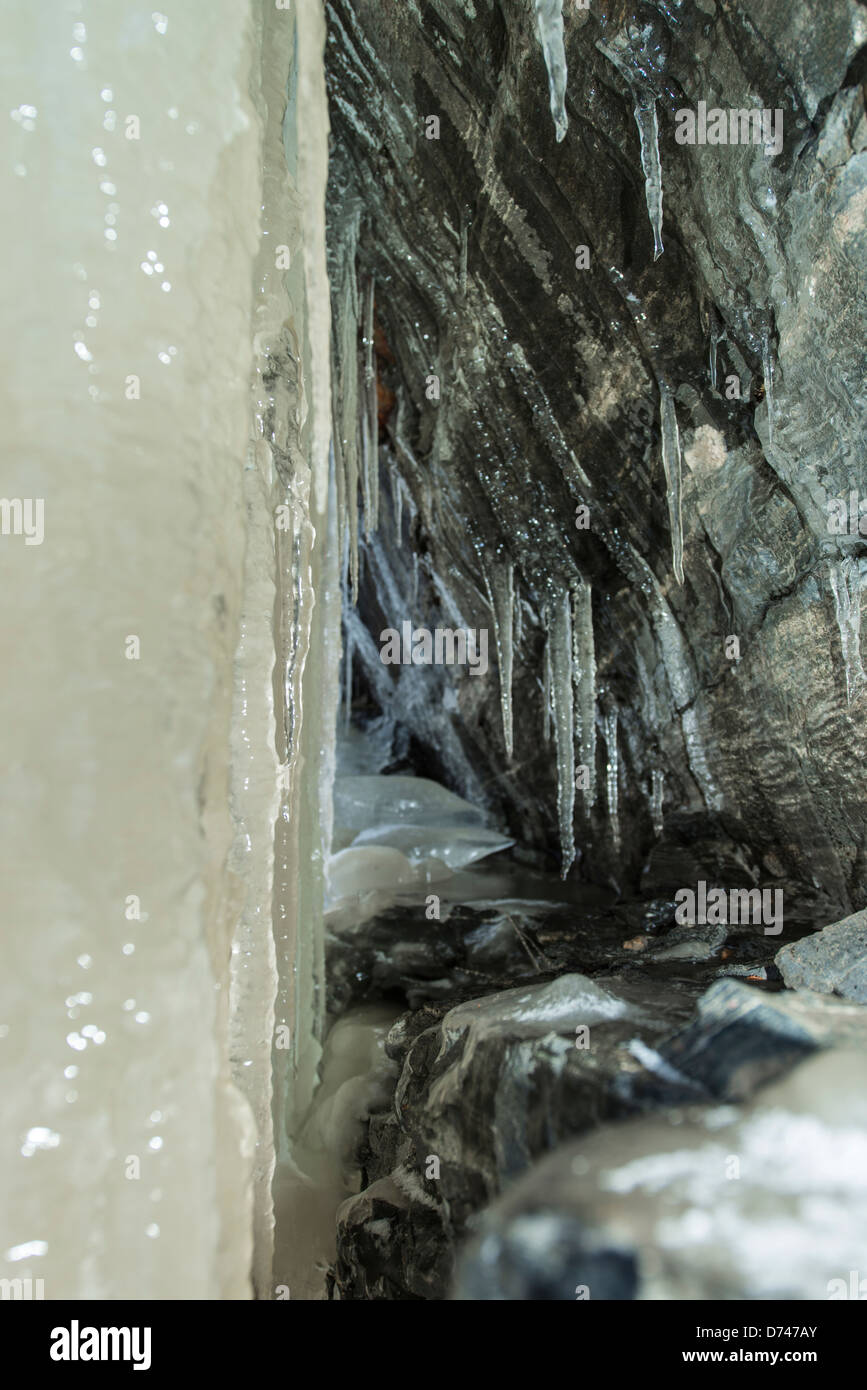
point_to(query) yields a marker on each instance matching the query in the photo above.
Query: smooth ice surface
(671, 462)
(361, 802)
(123, 259)
(549, 29)
(455, 846)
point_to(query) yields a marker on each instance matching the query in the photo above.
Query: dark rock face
(533, 398)
(551, 379)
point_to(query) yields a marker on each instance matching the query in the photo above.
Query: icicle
(560, 648)
(349, 411)
(846, 587)
(396, 500)
(672, 464)
(369, 424)
(644, 110)
(648, 130)
(657, 791)
(465, 242)
(715, 336)
(768, 368)
(549, 28)
(586, 658)
(500, 585)
(546, 688)
(519, 620)
(348, 651)
(613, 776)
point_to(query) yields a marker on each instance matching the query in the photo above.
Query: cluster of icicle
(569, 698)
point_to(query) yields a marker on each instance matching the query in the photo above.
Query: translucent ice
(845, 578)
(549, 28)
(362, 802)
(657, 791)
(500, 584)
(671, 462)
(560, 646)
(648, 131)
(613, 776)
(585, 656)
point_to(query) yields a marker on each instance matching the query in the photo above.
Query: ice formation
(585, 679)
(369, 422)
(768, 369)
(560, 648)
(671, 462)
(549, 29)
(500, 585)
(845, 576)
(644, 110)
(648, 130)
(612, 776)
(657, 792)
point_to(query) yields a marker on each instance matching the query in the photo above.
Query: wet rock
(833, 961)
(765, 1202)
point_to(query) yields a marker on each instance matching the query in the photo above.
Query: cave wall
(551, 381)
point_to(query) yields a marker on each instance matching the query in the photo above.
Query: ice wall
(141, 752)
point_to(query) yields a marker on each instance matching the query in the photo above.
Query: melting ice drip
(549, 28)
(845, 578)
(671, 462)
(500, 585)
(613, 776)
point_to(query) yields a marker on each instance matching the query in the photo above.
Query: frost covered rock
(760, 1203)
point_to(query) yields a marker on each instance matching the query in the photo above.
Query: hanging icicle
(845, 578)
(549, 28)
(644, 111)
(560, 648)
(500, 586)
(546, 687)
(657, 791)
(648, 131)
(369, 422)
(671, 463)
(584, 654)
(613, 776)
(349, 409)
